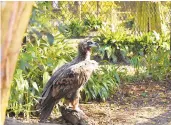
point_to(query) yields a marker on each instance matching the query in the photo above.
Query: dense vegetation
(46, 48)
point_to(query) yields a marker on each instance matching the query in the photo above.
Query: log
(11, 121)
(69, 117)
(72, 116)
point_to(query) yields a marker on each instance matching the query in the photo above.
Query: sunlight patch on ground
(107, 114)
(130, 70)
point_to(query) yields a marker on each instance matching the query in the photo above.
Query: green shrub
(93, 23)
(75, 29)
(24, 94)
(130, 45)
(158, 64)
(102, 83)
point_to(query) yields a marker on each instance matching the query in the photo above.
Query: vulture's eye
(89, 42)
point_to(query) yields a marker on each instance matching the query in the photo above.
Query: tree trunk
(148, 16)
(15, 17)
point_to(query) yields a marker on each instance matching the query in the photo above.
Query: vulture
(67, 81)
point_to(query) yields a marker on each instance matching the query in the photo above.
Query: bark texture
(14, 20)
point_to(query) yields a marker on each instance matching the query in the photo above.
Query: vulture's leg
(75, 103)
(67, 102)
(75, 99)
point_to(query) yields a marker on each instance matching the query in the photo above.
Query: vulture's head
(85, 46)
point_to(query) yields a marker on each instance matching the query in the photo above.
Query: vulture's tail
(46, 108)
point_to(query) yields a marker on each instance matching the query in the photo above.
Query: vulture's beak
(94, 44)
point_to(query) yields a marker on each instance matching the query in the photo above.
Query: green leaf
(117, 77)
(35, 86)
(33, 54)
(22, 64)
(26, 85)
(46, 77)
(50, 38)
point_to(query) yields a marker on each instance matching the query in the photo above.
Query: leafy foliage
(93, 23)
(43, 51)
(158, 64)
(34, 69)
(80, 28)
(102, 83)
(130, 45)
(75, 29)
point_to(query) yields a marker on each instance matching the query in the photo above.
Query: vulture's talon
(80, 111)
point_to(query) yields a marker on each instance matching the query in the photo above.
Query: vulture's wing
(68, 81)
(53, 77)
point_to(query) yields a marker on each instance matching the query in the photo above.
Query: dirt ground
(141, 103)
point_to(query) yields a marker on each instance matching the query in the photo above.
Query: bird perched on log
(68, 80)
